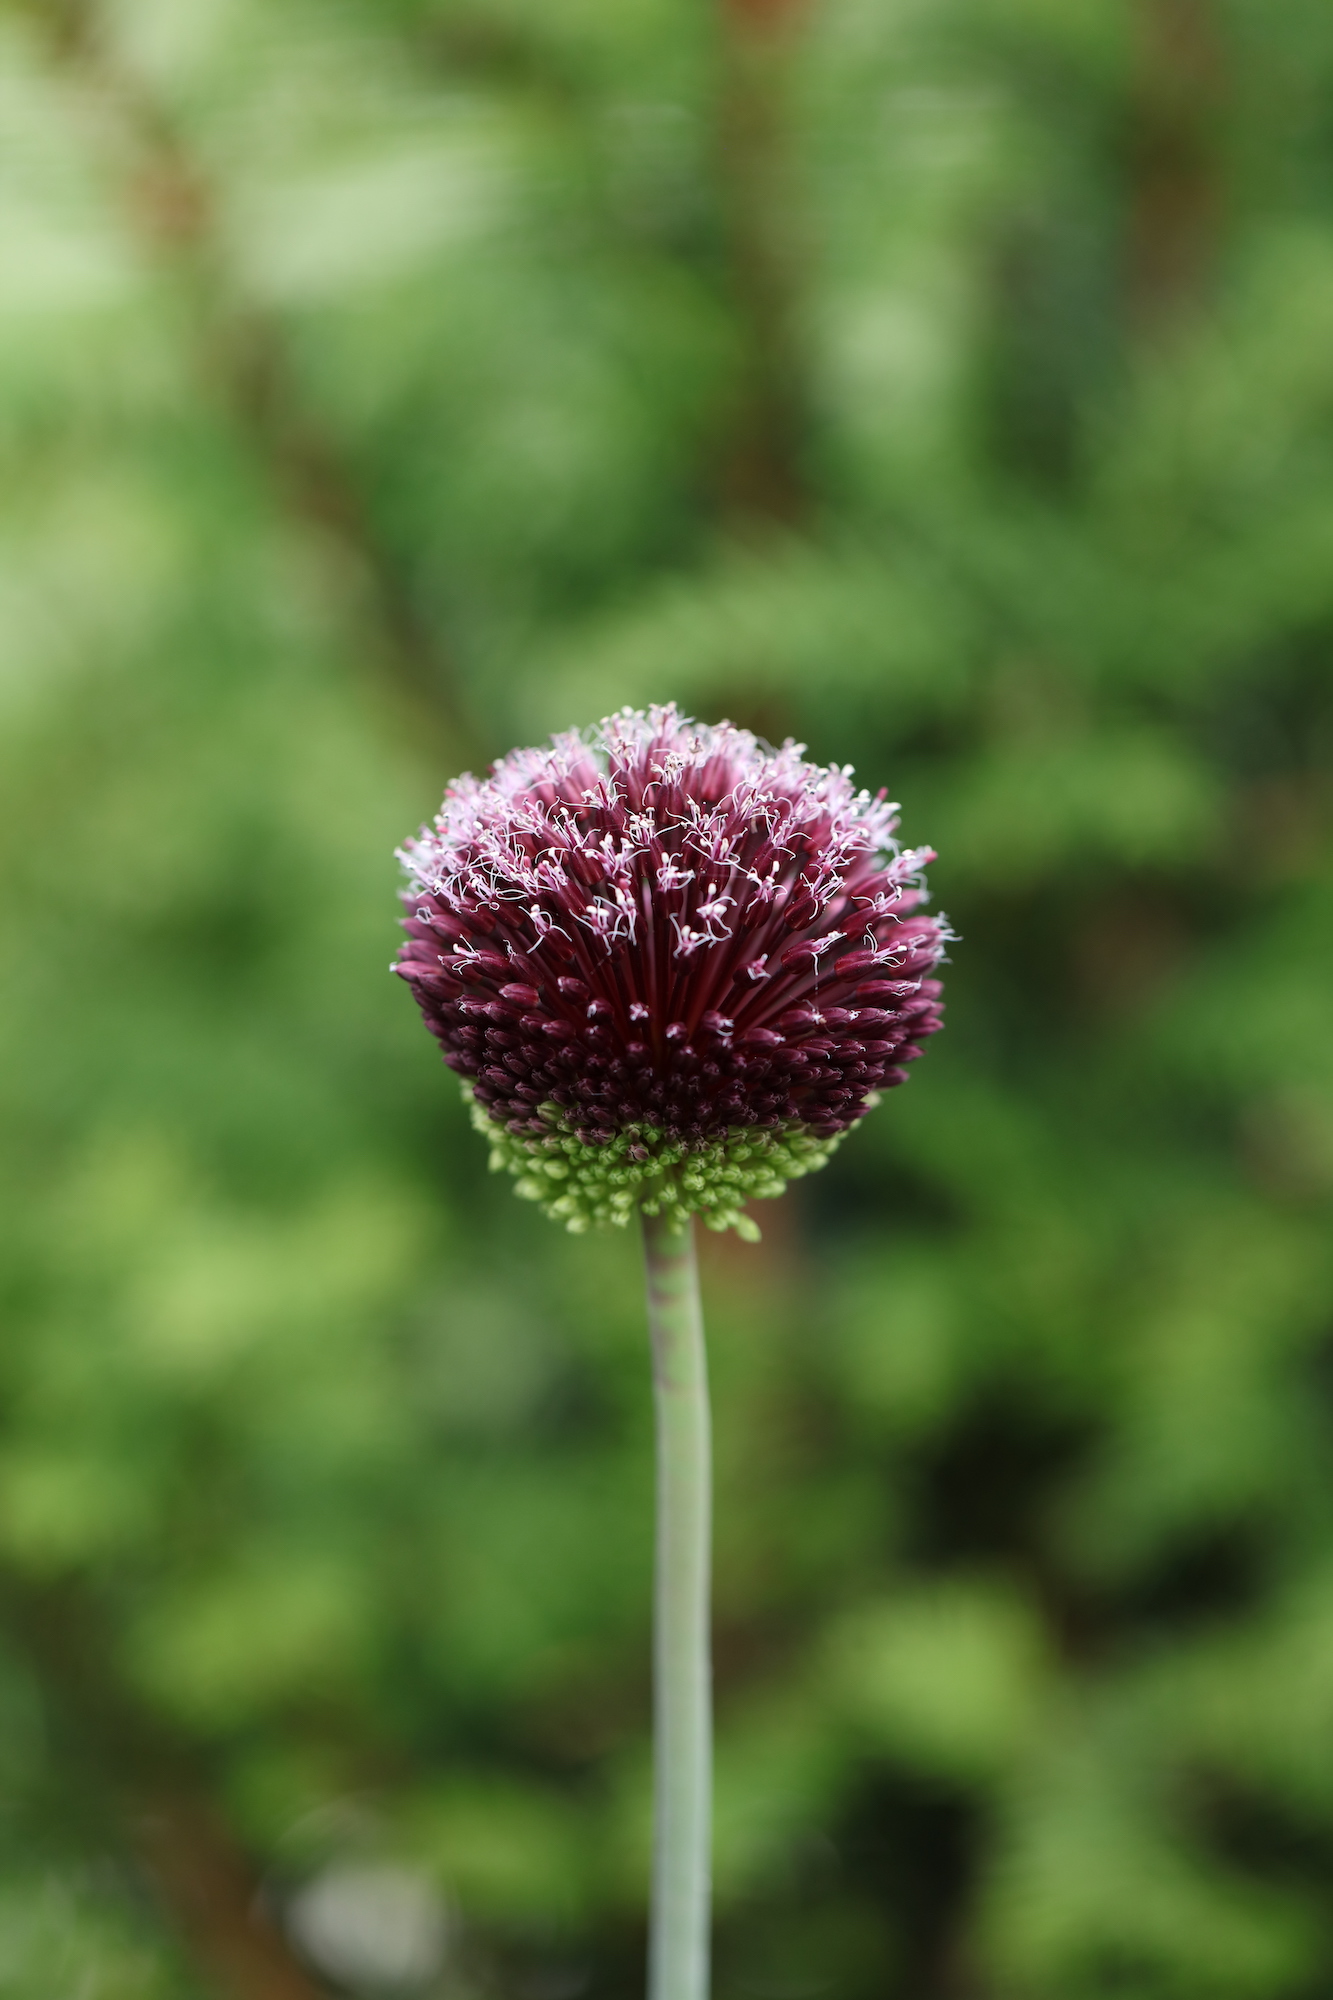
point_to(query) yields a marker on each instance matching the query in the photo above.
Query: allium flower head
(674, 966)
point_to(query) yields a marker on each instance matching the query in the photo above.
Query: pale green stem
(682, 1682)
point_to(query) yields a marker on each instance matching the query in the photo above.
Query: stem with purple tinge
(682, 1679)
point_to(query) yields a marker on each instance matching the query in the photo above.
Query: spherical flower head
(673, 966)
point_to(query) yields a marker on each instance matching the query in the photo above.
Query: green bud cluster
(580, 1185)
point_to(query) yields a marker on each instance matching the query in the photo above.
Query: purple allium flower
(674, 966)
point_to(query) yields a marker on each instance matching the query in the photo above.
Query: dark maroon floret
(671, 925)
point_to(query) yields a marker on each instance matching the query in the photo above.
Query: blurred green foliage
(951, 386)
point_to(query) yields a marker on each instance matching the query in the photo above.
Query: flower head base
(674, 966)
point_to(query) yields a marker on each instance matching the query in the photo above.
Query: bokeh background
(948, 384)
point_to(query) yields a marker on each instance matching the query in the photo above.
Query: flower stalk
(672, 968)
(682, 1680)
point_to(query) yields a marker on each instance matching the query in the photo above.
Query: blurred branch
(242, 355)
(213, 1893)
(209, 1887)
(757, 472)
(760, 472)
(1175, 171)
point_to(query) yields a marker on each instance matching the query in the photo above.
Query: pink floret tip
(665, 923)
